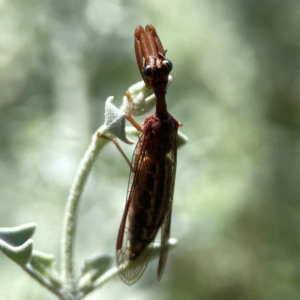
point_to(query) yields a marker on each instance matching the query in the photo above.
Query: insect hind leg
(99, 135)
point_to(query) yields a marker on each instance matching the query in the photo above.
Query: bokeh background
(236, 88)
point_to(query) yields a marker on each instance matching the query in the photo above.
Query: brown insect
(153, 167)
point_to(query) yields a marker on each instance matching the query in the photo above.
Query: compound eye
(168, 64)
(148, 71)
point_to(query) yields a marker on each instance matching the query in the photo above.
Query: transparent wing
(130, 270)
(148, 206)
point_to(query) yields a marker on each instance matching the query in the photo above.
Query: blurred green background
(236, 88)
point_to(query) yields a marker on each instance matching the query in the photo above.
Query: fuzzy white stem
(72, 209)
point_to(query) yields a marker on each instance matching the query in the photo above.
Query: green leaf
(115, 121)
(20, 254)
(16, 244)
(41, 261)
(182, 139)
(143, 99)
(16, 236)
(44, 264)
(93, 269)
(156, 248)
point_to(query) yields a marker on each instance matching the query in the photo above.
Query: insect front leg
(128, 115)
(138, 127)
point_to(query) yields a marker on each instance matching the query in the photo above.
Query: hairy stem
(71, 214)
(34, 274)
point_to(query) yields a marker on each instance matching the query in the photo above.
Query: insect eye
(148, 71)
(168, 64)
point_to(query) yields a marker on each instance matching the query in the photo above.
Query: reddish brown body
(151, 185)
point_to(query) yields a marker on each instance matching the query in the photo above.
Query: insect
(151, 184)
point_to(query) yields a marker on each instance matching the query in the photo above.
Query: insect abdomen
(144, 214)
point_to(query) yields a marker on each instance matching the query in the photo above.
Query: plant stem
(71, 214)
(34, 274)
